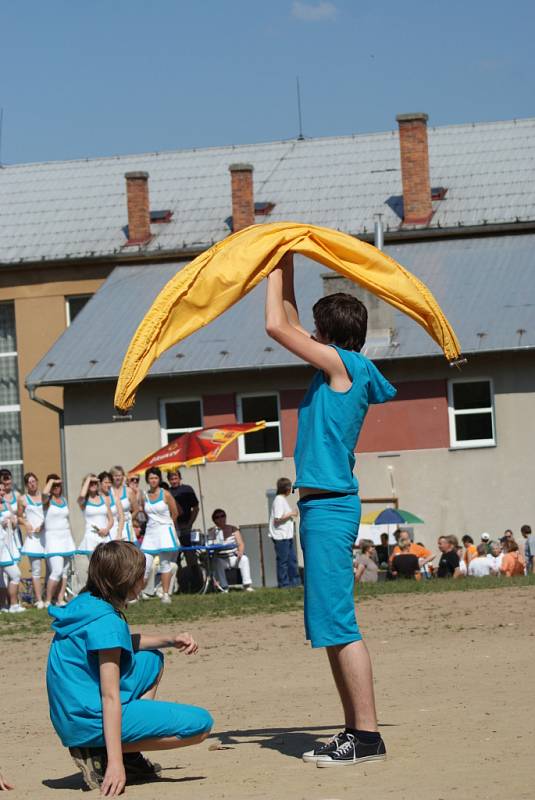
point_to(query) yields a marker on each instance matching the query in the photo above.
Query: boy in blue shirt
(329, 422)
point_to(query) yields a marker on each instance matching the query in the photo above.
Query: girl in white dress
(59, 544)
(160, 535)
(128, 501)
(97, 514)
(108, 490)
(12, 499)
(9, 554)
(32, 517)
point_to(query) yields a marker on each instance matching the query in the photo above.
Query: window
(74, 304)
(471, 413)
(179, 416)
(10, 426)
(264, 444)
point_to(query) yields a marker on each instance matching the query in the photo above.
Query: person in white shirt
(495, 557)
(480, 566)
(281, 530)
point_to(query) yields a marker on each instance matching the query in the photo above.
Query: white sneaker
(39, 604)
(248, 588)
(145, 596)
(61, 603)
(159, 592)
(165, 599)
(46, 604)
(17, 609)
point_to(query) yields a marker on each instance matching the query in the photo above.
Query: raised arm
(279, 328)
(288, 292)
(82, 497)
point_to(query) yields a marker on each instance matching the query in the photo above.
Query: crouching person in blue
(102, 680)
(329, 422)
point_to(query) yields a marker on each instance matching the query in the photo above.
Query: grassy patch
(188, 608)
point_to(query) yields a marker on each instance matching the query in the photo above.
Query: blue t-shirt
(82, 628)
(329, 424)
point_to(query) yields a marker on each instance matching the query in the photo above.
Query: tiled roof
(484, 285)
(75, 209)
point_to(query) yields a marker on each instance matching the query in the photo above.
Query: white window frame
(164, 430)
(453, 413)
(14, 408)
(242, 455)
(68, 297)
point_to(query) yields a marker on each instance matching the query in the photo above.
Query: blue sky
(83, 78)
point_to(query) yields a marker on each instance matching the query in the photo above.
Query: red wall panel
(416, 420)
(289, 402)
(220, 409)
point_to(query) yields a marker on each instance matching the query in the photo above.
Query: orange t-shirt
(512, 564)
(414, 549)
(470, 553)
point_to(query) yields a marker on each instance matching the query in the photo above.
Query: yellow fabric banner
(222, 275)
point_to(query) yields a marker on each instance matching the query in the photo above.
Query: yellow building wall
(40, 318)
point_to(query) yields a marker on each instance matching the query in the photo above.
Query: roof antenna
(300, 138)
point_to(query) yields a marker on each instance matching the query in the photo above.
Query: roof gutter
(391, 236)
(61, 419)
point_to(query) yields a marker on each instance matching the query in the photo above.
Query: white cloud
(309, 12)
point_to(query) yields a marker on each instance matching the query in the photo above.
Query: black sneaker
(92, 763)
(327, 747)
(138, 768)
(353, 751)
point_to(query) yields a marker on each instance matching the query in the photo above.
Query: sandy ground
(454, 677)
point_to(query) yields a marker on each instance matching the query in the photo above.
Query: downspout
(61, 419)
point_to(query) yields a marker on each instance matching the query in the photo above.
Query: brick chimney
(137, 200)
(414, 152)
(241, 180)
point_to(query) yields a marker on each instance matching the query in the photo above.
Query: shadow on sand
(292, 742)
(74, 781)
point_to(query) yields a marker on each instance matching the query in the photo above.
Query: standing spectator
(365, 566)
(495, 557)
(513, 563)
(382, 550)
(188, 502)
(507, 536)
(529, 548)
(281, 530)
(405, 564)
(470, 550)
(485, 539)
(480, 566)
(448, 566)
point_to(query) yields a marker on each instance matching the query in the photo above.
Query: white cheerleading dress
(128, 530)
(9, 554)
(96, 516)
(58, 536)
(14, 507)
(34, 543)
(160, 536)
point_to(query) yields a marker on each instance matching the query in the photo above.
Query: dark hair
(153, 471)
(52, 477)
(526, 529)
(283, 484)
(365, 546)
(468, 539)
(5, 473)
(28, 476)
(174, 472)
(341, 319)
(103, 475)
(114, 569)
(217, 511)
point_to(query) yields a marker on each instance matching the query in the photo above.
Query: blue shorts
(328, 531)
(148, 719)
